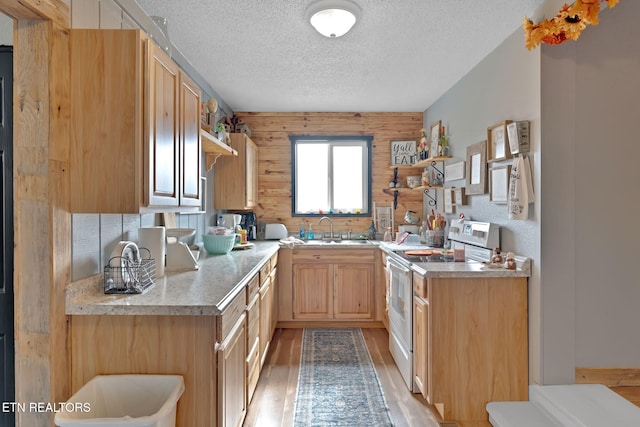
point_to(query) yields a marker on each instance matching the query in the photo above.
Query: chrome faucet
(330, 225)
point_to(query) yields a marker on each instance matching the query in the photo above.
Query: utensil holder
(435, 238)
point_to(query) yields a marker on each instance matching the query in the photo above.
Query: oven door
(401, 318)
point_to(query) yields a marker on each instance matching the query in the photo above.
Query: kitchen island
(212, 326)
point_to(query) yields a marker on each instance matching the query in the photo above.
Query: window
(331, 175)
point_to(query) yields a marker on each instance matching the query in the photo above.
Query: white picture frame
(499, 184)
(459, 196)
(454, 171)
(449, 207)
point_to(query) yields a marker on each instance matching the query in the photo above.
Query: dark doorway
(7, 364)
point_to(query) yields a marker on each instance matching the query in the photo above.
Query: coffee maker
(249, 223)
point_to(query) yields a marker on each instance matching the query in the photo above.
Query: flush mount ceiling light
(333, 18)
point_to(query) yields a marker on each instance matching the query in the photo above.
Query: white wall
(590, 110)
(504, 86)
(6, 30)
(583, 100)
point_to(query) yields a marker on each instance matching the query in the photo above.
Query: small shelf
(214, 148)
(427, 162)
(422, 187)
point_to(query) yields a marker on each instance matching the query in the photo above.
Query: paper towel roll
(153, 238)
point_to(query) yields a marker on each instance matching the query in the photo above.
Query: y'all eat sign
(403, 152)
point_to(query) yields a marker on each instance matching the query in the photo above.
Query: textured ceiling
(402, 55)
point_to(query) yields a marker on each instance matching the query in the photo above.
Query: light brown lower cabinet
(421, 346)
(470, 343)
(232, 375)
(328, 285)
(219, 357)
(177, 345)
(253, 345)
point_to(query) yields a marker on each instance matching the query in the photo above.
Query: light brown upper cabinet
(135, 118)
(236, 177)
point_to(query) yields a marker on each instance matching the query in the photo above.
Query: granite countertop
(452, 269)
(468, 269)
(203, 292)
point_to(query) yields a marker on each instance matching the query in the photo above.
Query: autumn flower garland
(568, 24)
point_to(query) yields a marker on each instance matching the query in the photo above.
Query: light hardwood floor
(273, 402)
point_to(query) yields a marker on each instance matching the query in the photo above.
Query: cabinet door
(251, 174)
(236, 177)
(190, 163)
(253, 346)
(161, 150)
(266, 300)
(274, 300)
(353, 291)
(312, 291)
(232, 404)
(421, 346)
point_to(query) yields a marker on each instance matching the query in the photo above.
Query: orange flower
(568, 24)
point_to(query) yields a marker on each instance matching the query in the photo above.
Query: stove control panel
(477, 233)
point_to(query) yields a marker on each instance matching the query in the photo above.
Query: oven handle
(394, 264)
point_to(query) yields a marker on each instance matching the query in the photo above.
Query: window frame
(368, 171)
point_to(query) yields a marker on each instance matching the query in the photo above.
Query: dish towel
(291, 241)
(520, 189)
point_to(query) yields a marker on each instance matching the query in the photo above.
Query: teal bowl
(218, 245)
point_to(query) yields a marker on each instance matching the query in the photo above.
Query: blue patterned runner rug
(337, 384)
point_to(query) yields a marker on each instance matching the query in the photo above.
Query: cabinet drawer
(274, 260)
(334, 255)
(264, 272)
(252, 288)
(231, 314)
(420, 286)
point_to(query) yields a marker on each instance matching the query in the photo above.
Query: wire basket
(127, 276)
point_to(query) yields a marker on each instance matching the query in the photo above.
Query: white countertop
(452, 269)
(203, 292)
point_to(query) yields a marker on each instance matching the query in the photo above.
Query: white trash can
(124, 400)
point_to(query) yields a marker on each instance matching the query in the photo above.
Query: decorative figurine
(497, 257)
(422, 148)
(511, 261)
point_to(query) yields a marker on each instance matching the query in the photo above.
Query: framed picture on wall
(449, 207)
(459, 196)
(499, 184)
(434, 138)
(497, 142)
(477, 168)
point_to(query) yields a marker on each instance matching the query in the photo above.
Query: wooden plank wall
(271, 131)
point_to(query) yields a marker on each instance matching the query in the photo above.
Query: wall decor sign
(434, 137)
(477, 168)
(499, 184)
(497, 143)
(403, 152)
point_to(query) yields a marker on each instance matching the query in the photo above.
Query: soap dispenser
(310, 234)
